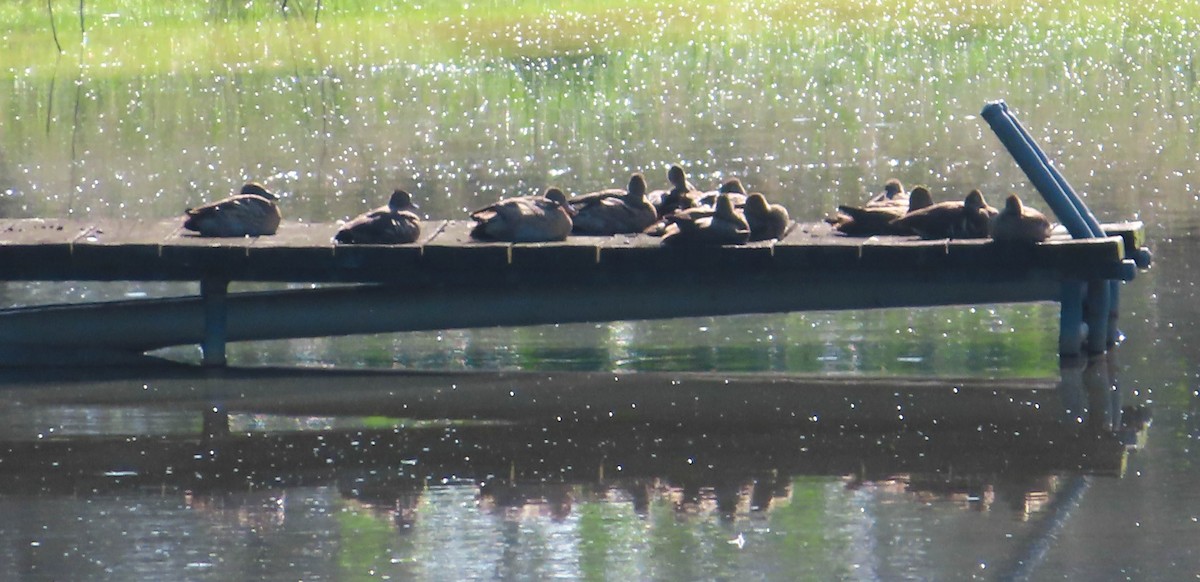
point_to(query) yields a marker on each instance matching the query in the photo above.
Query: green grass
(133, 37)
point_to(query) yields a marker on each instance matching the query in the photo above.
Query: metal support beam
(146, 324)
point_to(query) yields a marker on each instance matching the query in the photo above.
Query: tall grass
(146, 37)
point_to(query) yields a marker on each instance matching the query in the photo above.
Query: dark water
(921, 444)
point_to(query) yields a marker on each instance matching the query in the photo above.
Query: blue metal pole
(1026, 155)
(1084, 212)
(1101, 295)
(1096, 307)
(1072, 213)
(1070, 319)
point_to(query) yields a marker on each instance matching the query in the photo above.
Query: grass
(138, 37)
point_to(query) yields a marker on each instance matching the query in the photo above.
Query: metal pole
(1101, 296)
(1080, 207)
(1025, 153)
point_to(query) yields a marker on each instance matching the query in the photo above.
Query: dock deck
(448, 280)
(114, 249)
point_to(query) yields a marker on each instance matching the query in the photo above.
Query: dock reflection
(728, 445)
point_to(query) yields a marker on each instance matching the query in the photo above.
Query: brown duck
(392, 223)
(668, 201)
(1019, 223)
(767, 221)
(968, 218)
(607, 215)
(251, 212)
(724, 226)
(878, 218)
(525, 219)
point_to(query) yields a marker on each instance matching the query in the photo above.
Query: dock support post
(1114, 333)
(1070, 325)
(1096, 312)
(214, 293)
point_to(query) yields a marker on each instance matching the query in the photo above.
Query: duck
(1019, 223)
(392, 223)
(893, 195)
(733, 187)
(609, 215)
(878, 218)
(543, 218)
(697, 226)
(767, 221)
(667, 202)
(968, 218)
(253, 211)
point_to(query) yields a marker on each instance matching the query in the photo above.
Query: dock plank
(1133, 233)
(817, 246)
(1079, 256)
(43, 231)
(577, 252)
(113, 232)
(901, 252)
(114, 245)
(296, 247)
(386, 262)
(30, 247)
(453, 248)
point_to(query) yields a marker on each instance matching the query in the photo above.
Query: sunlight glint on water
(813, 102)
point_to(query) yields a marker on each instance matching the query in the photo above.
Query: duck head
(892, 188)
(732, 186)
(401, 200)
(724, 209)
(974, 201)
(756, 204)
(1013, 206)
(256, 189)
(637, 185)
(560, 198)
(919, 198)
(678, 179)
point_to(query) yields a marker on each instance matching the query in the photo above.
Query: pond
(942, 443)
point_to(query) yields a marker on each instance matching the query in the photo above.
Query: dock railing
(1089, 308)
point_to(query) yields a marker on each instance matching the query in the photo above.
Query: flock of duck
(681, 215)
(896, 212)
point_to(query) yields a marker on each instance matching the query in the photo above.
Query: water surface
(898, 444)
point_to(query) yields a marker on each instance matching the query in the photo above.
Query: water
(900, 444)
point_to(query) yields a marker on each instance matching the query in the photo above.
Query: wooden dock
(448, 280)
(140, 250)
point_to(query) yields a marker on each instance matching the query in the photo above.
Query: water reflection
(246, 471)
(853, 479)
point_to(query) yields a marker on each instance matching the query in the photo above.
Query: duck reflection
(551, 500)
(976, 445)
